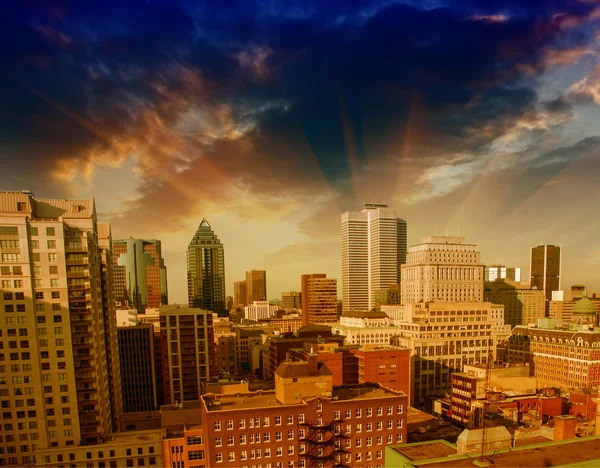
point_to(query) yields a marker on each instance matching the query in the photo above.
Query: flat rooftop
(530, 456)
(262, 399)
(428, 451)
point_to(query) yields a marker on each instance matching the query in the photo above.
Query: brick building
(304, 422)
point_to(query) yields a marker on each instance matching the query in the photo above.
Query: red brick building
(304, 422)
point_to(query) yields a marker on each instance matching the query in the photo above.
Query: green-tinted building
(206, 271)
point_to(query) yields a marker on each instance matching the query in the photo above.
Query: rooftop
(289, 369)
(262, 399)
(556, 453)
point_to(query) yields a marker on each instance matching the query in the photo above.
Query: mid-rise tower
(544, 268)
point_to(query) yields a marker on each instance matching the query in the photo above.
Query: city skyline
(449, 112)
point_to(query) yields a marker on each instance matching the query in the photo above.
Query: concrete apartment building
(373, 248)
(319, 299)
(140, 275)
(305, 422)
(522, 305)
(188, 355)
(256, 286)
(206, 271)
(56, 336)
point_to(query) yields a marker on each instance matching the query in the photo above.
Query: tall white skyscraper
(373, 249)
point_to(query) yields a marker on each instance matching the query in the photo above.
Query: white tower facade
(373, 249)
(442, 268)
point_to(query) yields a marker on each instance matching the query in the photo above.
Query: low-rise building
(305, 422)
(365, 327)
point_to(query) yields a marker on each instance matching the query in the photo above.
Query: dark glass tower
(206, 271)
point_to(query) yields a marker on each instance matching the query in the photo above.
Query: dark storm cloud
(88, 83)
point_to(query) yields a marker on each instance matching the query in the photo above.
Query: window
(231, 456)
(380, 411)
(358, 443)
(50, 231)
(56, 307)
(359, 428)
(291, 450)
(51, 244)
(267, 437)
(230, 424)
(243, 439)
(400, 409)
(8, 296)
(266, 421)
(389, 439)
(54, 283)
(278, 436)
(399, 423)
(267, 453)
(379, 425)
(39, 295)
(18, 284)
(290, 419)
(390, 424)
(230, 440)
(369, 412)
(244, 455)
(194, 440)
(52, 257)
(33, 231)
(290, 435)
(20, 308)
(242, 424)
(280, 451)
(301, 418)
(278, 420)
(218, 442)
(379, 440)
(379, 454)
(399, 438)
(390, 410)
(369, 441)
(53, 270)
(319, 406)
(219, 457)
(359, 413)
(55, 294)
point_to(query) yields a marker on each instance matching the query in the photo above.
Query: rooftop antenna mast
(486, 390)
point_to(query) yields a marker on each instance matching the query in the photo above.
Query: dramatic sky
(270, 118)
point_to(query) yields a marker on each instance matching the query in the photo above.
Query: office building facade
(256, 286)
(374, 244)
(544, 268)
(239, 294)
(319, 299)
(206, 271)
(140, 275)
(522, 305)
(494, 272)
(291, 300)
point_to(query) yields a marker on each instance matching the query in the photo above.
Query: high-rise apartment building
(544, 268)
(140, 275)
(111, 340)
(442, 268)
(239, 294)
(187, 342)
(494, 272)
(54, 374)
(291, 300)
(319, 299)
(138, 369)
(206, 271)
(373, 249)
(256, 286)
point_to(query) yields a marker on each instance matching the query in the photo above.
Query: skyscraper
(319, 299)
(140, 274)
(206, 271)
(53, 292)
(291, 300)
(373, 249)
(544, 268)
(256, 286)
(239, 294)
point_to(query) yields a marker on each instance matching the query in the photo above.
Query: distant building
(495, 272)
(522, 305)
(365, 328)
(229, 302)
(319, 299)
(562, 309)
(260, 310)
(388, 296)
(140, 274)
(373, 248)
(561, 357)
(544, 268)
(138, 369)
(289, 323)
(291, 300)
(239, 294)
(187, 341)
(256, 286)
(206, 271)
